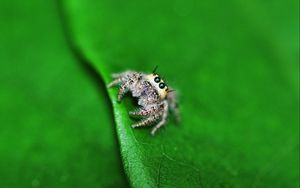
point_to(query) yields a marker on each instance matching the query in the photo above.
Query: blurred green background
(234, 64)
(56, 124)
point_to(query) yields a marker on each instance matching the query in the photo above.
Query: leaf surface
(234, 65)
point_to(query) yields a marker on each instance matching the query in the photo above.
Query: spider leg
(140, 112)
(122, 90)
(171, 97)
(125, 80)
(116, 75)
(114, 83)
(118, 78)
(144, 112)
(163, 119)
(123, 87)
(146, 122)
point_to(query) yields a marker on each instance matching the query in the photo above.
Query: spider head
(159, 84)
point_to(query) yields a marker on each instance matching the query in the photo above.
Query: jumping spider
(155, 98)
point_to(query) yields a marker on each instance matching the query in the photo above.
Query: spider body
(154, 97)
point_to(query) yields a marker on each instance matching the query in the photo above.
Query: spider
(155, 98)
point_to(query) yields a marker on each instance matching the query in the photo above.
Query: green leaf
(56, 128)
(234, 64)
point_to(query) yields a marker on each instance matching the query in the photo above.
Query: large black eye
(157, 79)
(162, 85)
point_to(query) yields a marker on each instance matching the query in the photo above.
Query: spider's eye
(162, 85)
(157, 79)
